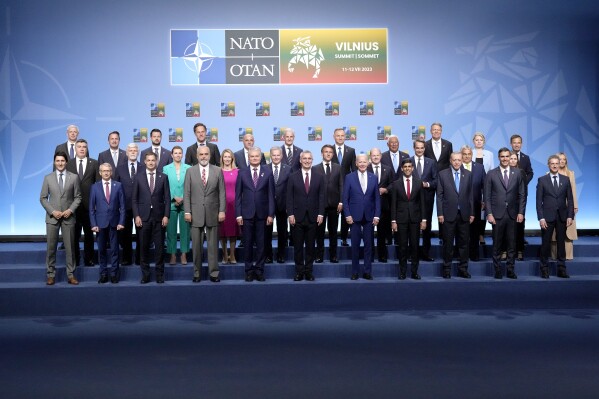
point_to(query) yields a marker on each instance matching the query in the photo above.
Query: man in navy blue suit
(305, 206)
(362, 210)
(505, 202)
(280, 173)
(478, 183)
(151, 209)
(425, 169)
(107, 215)
(254, 210)
(163, 156)
(454, 212)
(113, 153)
(555, 211)
(525, 165)
(125, 174)
(291, 153)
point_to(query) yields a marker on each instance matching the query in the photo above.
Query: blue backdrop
(501, 67)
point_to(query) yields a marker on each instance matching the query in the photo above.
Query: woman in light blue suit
(175, 172)
(480, 155)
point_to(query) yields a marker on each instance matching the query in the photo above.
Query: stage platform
(23, 291)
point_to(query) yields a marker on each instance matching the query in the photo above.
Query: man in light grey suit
(60, 197)
(204, 205)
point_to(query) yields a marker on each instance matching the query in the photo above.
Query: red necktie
(107, 192)
(255, 179)
(409, 191)
(204, 176)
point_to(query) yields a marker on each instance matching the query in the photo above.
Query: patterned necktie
(151, 183)
(307, 183)
(157, 154)
(204, 176)
(107, 192)
(255, 179)
(408, 188)
(505, 178)
(80, 171)
(376, 172)
(555, 186)
(289, 156)
(339, 155)
(328, 170)
(61, 183)
(419, 167)
(276, 174)
(72, 152)
(132, 170)
(457, 181)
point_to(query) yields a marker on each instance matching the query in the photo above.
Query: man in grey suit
(60, 197)
(204, 205)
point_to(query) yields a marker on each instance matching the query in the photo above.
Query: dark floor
(487, 354)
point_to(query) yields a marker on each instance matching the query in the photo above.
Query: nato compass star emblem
(198, 57)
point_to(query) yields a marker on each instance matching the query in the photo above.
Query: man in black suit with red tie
(333, 205)
(305, 206)
(384, 176)
(291, 153)
(88, 171)
(125, 174)
(191, 157)
(163, 156)
(525, 165)
(505, 202)
(345, 156)
(280, 173)
(151, 209)
(455, 213)
(555, 211)
(425, 169)
(113, 153)
(407, 205)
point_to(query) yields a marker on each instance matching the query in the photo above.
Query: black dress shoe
(127, 263)
(298, 277)
(103, 279)
(383, 260)
(215, 279)
(344, 243)
(446, 275)
(334, 260)
(280, 259)
(196, 279)
(498, 275)
(402, 276)
(563, 275)
(160, 279)
(415, 276)
(426, 258)
(464, 274)
(268, 260)
(354, 277)
(114, 279)
(318, 260)
(545, 274)
(249, 277)
(309, 277)
(145, 280)
(367, 276)
(260, 277)
(511, 275)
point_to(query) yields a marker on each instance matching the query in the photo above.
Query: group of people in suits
(389, 191)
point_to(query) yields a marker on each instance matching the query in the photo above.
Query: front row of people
(204, 204)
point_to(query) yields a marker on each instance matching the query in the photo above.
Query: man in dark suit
(384, 176)
(478, 184)
(345, 156)
(242, 156)
(107, 215)
(505, 201)
(407, 205)
(113, 155)
(555, 211)
(291, 153)
(87, 170)
(362, 210)
(454, 211)
(68, 147)
(438, 149)
(254, 210)
(333, 205)
(280, 173)
(151, 209)
(394, 157)
(191, 158)
(60, 196)
(163, 156)
(305, 206)
(525, 165)
(425, 169)
(125, 174)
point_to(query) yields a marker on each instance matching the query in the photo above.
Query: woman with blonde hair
(229, 230)
(571, 233)
(485, 158)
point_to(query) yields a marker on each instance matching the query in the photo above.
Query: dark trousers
(82, 222)
(408, 235)
(304, 234)
(504, 236)
(520, 236)
(460, 231)
(428, 215)
(152, 232)
(281, 221)
(560, 237)
(126, 240)
(361, 230)
(254, 231)
(108, 258)
(330, 222)
(344, 229)
(383, 233)
(475, 232)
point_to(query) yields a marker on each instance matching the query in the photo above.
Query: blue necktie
(339, 156)
(457, 181)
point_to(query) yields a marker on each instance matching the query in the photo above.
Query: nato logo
(198, 57)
